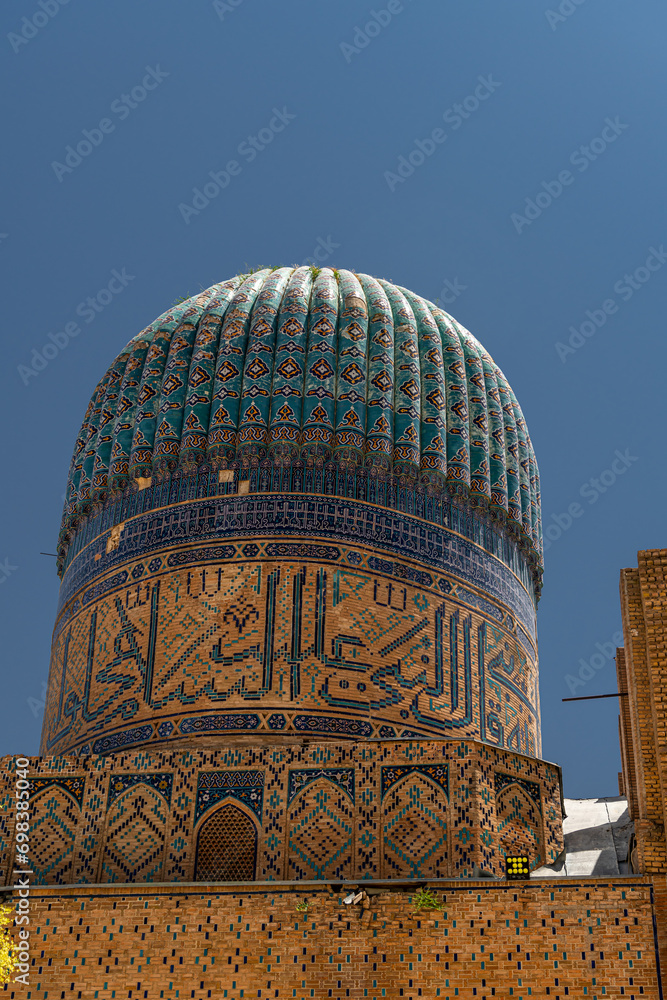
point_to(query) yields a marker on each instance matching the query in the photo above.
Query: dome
(313, 365)
(303, 504)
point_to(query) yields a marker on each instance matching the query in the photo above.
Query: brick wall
(642, 672)
(373, 809)
(644, 611)
(628, 777)
(273, 615)
(559, 938)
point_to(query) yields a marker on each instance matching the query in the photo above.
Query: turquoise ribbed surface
(300, 364)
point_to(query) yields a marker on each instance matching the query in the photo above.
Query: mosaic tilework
(559, 939)
(136, 831)
(415, 831)
(399, 807)
(437, 773)
(515, 800)
(226, 846)
(245, 786)
(458, 543)
(288, 365)
(321, 823)
(341, 776)
(7, 821)
(121, 782)
(349, 650)
(54, 819)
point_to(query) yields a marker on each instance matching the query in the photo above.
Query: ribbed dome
(300, 363)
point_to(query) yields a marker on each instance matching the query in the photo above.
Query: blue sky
(535, 199)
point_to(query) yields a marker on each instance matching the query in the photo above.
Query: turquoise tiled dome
(292, 364)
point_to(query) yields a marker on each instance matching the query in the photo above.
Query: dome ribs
(351, 371)
(93, 472)
(290, 367)
(456, 405)
(524, 466)
(433, 417)
(380, 384)
(511, 449)
(257, 379)
(173, 393)
(222, 439)
(76, 465)
(201, 377)
(317, 427)
(496, 436)
(536, 521)
(141, 452)
(119, 461)
(407, 385)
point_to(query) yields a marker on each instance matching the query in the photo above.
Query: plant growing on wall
(424, 899)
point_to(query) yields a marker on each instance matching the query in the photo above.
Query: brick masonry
(274, 614)
(386, 809)
(564, 938)
(642, 672)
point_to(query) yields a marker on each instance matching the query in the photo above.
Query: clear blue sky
(360, 100)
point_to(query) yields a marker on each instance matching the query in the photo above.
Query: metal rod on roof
(591, 697)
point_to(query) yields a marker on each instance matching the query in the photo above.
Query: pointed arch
(135, 836)
(54, 815)
(226, 845)
(320, 823)
(415, 829)
(518, 822)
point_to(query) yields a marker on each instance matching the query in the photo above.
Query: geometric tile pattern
(54, 817)
(135, 842)
(290, 362)
(320, 828)
(415, 810)
(519, 818)
(318, 809)
(212, 647)
(245, 786)
(226, 847)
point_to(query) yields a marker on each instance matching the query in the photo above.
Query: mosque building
(292, 735)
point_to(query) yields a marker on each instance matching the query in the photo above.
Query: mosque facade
(295, 655)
